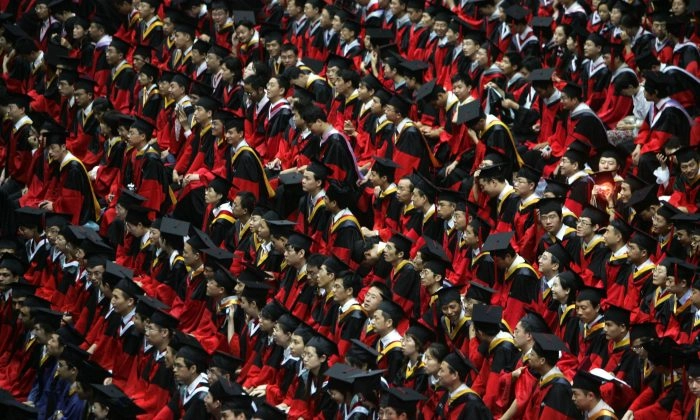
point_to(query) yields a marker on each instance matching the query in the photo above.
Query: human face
(460, 219)
(585, 311)
(567, 167)
(625, 193)
(296, 346)
(446, 375)
(274, 90)
(201, 115)
(470, 237)
(311, 358)
(381, 323)
(243, 34)
(584, 227)
(403, 191)
(440, 28)
(113, 56)
(122, 303)
(309, 183)
(373, 298)
(635, 253)
(660, 225)
(211, 196)
(183, 374)
(56, 151)
(604, 12)
(445, 209)
(154, 334)
(695, 297)
(453, 310)
(568, 103)
(591, 50)
(615, 16)
(482, 57)
(267, 325)
(219, 16)
(288, 58)
(95, 274)
(658, 29)
(469, 47)
(678, 7)
(391, 255)
(213, 289)
(418, 198)
(340, 293)
(551, 222)
(409, 346)
(280, 337)
(325, 279)
(614, 331)
(506, 67)
(523, 187)
(559, 36)
(611, 236)
(391, 113)
(689, 169)
(559, 294)
(520, 336)
(432, 364)
(428, 278)
(53, 346)
(190, 256)
(582, 399)
(293, 257)
(546, 265)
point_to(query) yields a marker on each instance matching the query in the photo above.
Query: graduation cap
(281, 228)
(224, 361)
(469, 113)
(23, 289)
(498, 242)
(437, 266)
(243, 15)
(559, 189)
(144, 127)
(530, 173)
(74, 355)
(685, 221)
(32, 301)
(516, 13)
(379, 36)
(136, 215)
(47, 317)
(592, 294)
(174, 227)
(618, 315)
(433, 251)
(208, 103)
(541, 75)
(445, 295)
(401, 104)
(289, 322)
(15, 410)
(587, 382)
(69, 335)
(402, 243)
(424, 185)
(323, 345)
(199, 240)
(116, 400)
(385, 167)
(487, 317)
(560, 253)
(224, 278)
(644, 241)
(460, 363)
(319, 169)
(193, 352)
(548, 345)
(341, 377)
(479, 292)
(163, 319)
(427, 91)
(13, 264)
(273, 310)
(335, 265)
(129, 199)
(299, 240)
(338, 61)
(315, 66)
(30, 217)
(441, 14)
(548, 205)
(623, 228)
(225, 391)
(25, 46)
(414, 68)
(219, 51)
(541, 22)
(403, 400)
(290, 179)
(251, 275)
(643, 330)
(264, 410)
(392, 309)
(254, 291)
(421, 332)
(362, 352)
(536, 323)
(127, 286)
(572, 90)
(120, 45)
(147, 305)
(578, 151)
(56, 138)
(90, 372)
(667, 211)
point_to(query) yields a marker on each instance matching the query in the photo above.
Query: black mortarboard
(572, 90)
(241, 15)
(264, 410)
(199, 240)
(30, 217)
(689, 222)
(479, 292)
(129, 199)
(181, 79)
(252, 275)
(579, 152)
(74, 355)
(335, 265)
(460, 363)
(391, 308)
(516, 13)
(597, 216)
(116, 400)
(150, 70)
(403, 400)
(589, 293)
(315, 65)
(254, 290)
(289, 321)
(618, 315)
(319, 169)
(281, 228)
(120, 45)
(220, 185)
(193, 352)
(47, 317)
(469, 112)
(448, 294)
(174, 227)
(536, 323)
(643, 330)
(163, 319)
(529, 173)
(493, 171)
(541, 22)
(92, 373)
(644, 241)
(208, 103)
(498, 242)
(273, 310)
(414, 68)
(402, 243)
(427, 91)
(385, 167)
(586, 381)
(322, 345)
(433, 251)
(291, 178)
(226, 362)
(559, 189)
(401, 104)
(379, 36)
(15, 410)
(339, 61)
(23, 289)
(13, 264)
(622, 227)
(437, 266)
(424, 334)
(32, 301)
(667, 211)
(548, 345)
(541, 75)
(129, 287)
(219, 51)
(299, 240)
(144, 127)
(548, 205)
(136, 215)
(341, 377)
(224, 278)
(561, 254)
(146, 305)
(487, 316)
(224, 390)
(70, 335)
(363, 352)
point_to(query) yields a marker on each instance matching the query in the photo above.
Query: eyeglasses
(582, 223)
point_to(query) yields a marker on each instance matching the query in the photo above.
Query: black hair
(247, 23)
(255, 81)
(235, 66)
(350, 76)
(459, 77)
(516, 60)
(247, 200)
(286, 47)
(315, 260)
(314, 114)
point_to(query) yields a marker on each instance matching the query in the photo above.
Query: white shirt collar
(348, 304)
(390, 338)
(24, 120)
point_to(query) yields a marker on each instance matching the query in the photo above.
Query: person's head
(640, 247)
(387, 317)
(277, 88)
(243, 205)
(245, 30)
(297, 249)
(346, 287)
(454, 370)
(190, 362)
(550, 215)
(124, 296)
(510, 63)
(461, 86)
(616, 234)
(585, 391)
(528, 325)
(317, 352)
(571, 96)
(315, 119)
(397, 249)
(254, 86)
(588, 304)
(376, 293)
(688, 161)
(450, 303)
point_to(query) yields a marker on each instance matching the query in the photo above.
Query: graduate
(454, 322)
(572, 166)
(415, 343)
(524, 222)
(587, 398)
(617, 266)
(556, 232)
(120, 85)
(157, 373)
(593, 252)
(459, 401)
(387, 317)
(312, 206)
(251, 300)
(621, 361)
(195, 317)
(503, 201)
(552, 396)
(189, 366)
(402, 401)
(592, 345)
(385, 205)
(311, 399)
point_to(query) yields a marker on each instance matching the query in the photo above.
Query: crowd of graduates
(361, 209)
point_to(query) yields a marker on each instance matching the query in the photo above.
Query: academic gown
(410, 150)
(404, 283)
(518, 289)
(246, 173)
(146, 172)
(465, 404)
(74, 194)
(552, 399)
